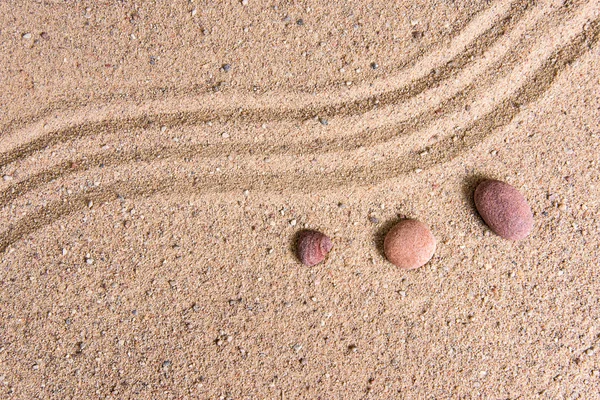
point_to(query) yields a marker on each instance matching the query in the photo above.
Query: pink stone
(409, 244)
(504, 209)
(313, 247)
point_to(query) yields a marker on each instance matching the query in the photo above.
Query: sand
(149, 199)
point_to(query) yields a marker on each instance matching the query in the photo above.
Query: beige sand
(150, 198)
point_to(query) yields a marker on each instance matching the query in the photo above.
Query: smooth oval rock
(313, 247)
(504, 209)
(409, 244)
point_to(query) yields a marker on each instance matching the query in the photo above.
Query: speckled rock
(409, 244)
(504, 209)
(313, 247)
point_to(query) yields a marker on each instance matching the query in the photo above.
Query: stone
(409, 244)
(504, 209)
(313, 247)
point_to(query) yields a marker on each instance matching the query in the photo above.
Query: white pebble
(590, 352)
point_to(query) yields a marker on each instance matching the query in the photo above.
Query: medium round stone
(504, 209)
(409, 244)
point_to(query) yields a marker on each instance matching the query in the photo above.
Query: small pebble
(313, 247)
(504, 209)
(374, 65)
(590, 352)
(418, 35)
(226, 67)
(27, 36)
(409, 244)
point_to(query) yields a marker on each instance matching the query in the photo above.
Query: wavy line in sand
(489, 13)
(478, 46)
(444, 151)
(364, 138)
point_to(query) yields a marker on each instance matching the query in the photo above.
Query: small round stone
(409, 244)
(313, 247)
(504, 209)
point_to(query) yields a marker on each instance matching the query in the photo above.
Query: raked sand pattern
(147, 235)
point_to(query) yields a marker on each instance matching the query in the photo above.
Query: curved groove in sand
(475, 48)
(136, 95)
(444, 151)
(370, 137)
